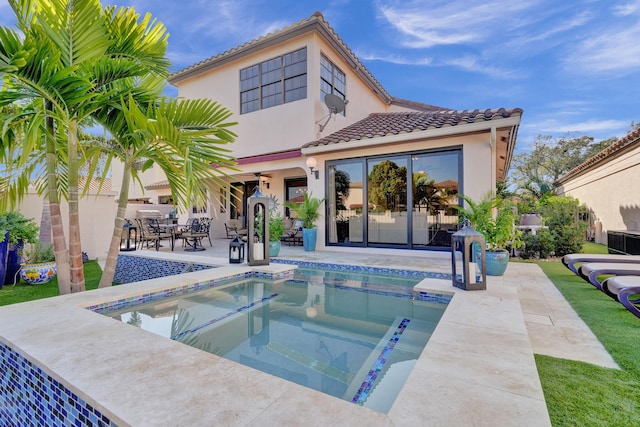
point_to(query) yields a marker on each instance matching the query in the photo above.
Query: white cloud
(615, 49)
(555, 126)
(426, 25)
(394, 58)
(626, 9)
(473, 64)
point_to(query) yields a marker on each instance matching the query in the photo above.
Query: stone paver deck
(477, 369)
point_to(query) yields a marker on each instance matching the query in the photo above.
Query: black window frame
(332, 80)
(274, 82)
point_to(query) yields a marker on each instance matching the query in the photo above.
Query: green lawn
(22, 291)
(580, 394)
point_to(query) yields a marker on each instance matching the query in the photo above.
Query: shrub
(541, 245)
(561, 216)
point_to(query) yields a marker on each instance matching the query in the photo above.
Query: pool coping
(478, 367)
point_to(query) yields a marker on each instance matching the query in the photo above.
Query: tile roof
(386, 124)
(630, 139)
(415, 105)
(315, 22)
(158, 185)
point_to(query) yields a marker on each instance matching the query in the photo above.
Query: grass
(22, 291)
(580, 394)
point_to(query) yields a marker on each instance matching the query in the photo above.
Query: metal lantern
(129, 237)
(236, 250)
(258, 236)
(464, 270)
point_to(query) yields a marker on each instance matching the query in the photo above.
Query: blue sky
(573, 66)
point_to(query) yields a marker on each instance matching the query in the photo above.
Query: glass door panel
(387, 201)
(435, 190)
(345, 199)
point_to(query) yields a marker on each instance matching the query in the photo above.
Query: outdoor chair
(571, 260)
(152, 233)
(234, 227)
(626, 290)
(205, 227)
(193, 233)
(592, 270)
(292, 232)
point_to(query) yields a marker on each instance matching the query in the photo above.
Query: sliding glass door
(387, 201)
(345, 203)
(402, 201)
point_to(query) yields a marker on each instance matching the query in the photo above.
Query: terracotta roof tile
(631, 138)
(386, 124)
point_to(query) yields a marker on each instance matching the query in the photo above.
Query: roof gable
(315, 23)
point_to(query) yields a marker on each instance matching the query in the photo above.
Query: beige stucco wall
(289, 126)
(611, 191)
(97, 214)
(286, 126)
(476, 153)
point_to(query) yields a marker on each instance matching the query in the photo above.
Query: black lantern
(258, 211)
(129, 237)
(236, 250)
(463, 243)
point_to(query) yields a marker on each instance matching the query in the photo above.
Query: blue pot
(13, 264)
(37, 274)
(497, 261)
(274, 248)
(4, 253)
(309, 236)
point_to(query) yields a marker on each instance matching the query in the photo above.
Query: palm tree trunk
(45, 223)
(114, 248)
(75, 246)
(57, 228)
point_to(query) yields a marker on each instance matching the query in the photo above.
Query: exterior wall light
(311, 164)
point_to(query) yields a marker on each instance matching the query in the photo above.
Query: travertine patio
(477, 369)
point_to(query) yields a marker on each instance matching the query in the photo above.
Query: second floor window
(274, 82)
(332, 80)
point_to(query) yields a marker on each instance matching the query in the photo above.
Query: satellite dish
(335, 104)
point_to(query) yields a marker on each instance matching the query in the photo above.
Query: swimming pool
(355, 338)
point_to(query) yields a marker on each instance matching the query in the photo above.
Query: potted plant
(15, 230)
(276, 231)
(498, 228)
(308, 211)
(39, 264)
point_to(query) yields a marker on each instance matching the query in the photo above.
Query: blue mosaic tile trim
(30, 397)
(135, 269)
(132, 301)
(378, 365)
(366, 270)
(224, 316)
(430, 296)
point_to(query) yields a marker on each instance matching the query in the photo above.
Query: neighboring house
(387, 157)
(608, 184)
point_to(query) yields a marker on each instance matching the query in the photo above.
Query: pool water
(354, 339)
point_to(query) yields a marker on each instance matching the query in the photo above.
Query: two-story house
(389, 168)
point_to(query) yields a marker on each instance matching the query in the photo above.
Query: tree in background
(550, 158)
(387, 185)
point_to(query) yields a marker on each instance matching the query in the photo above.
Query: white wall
(612, 191)
(97, 216)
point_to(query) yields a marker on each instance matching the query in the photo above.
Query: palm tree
(75, 57)
(182, 138)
